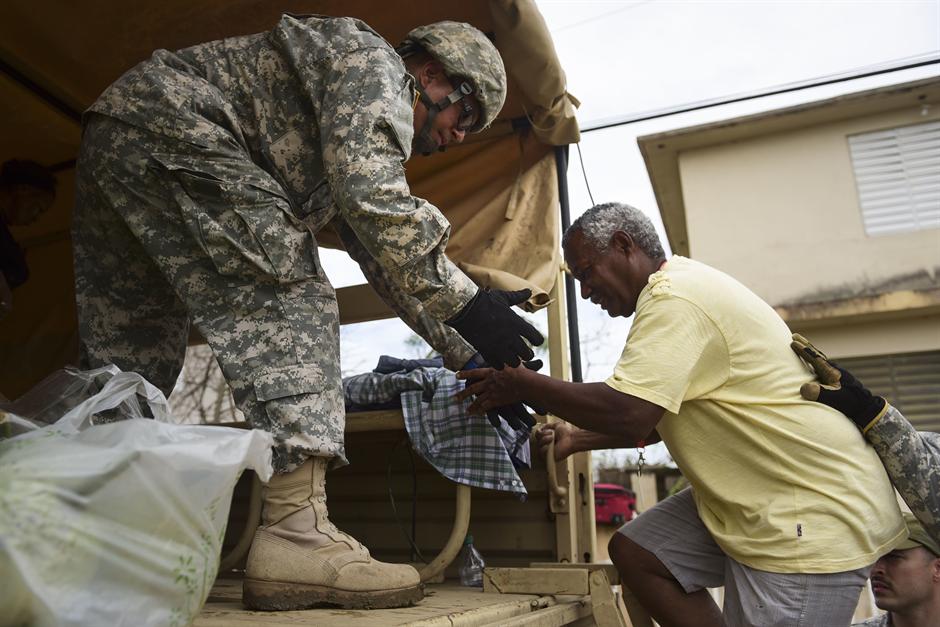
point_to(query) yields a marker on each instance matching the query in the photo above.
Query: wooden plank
(566, 520)
(557, 616)
(559, 365)
(566, 530)
(634, 610)
(606, 610)
(536, 581)
(488, 616)
(382, 420)
(363, 465)
(609, 569)
(360, 303)
(581, 498)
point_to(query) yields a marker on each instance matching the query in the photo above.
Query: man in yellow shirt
(788, 507)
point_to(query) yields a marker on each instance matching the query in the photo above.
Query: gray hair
(599, 223)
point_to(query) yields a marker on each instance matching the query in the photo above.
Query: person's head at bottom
(906, 581)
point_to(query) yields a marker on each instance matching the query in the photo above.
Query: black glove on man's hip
(837, 387)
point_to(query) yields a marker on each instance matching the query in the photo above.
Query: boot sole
(283, 596)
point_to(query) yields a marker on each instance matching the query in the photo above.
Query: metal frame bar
(571, 295)
(457, 535)
(66, 109)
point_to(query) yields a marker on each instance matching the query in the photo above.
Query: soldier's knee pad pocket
(292, 394)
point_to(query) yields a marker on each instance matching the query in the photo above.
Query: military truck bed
(446, 605)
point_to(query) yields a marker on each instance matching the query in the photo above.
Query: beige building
(830, 211)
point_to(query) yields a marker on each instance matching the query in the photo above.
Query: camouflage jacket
(323, 105)
(884, 620)
(912, 459)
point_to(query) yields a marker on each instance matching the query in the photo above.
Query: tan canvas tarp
(502, 235)
(525, 43)
(499, 189)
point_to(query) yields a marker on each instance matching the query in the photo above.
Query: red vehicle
(613, 504)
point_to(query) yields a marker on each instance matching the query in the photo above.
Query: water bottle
(471, 564)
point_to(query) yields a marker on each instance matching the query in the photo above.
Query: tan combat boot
(298, 559)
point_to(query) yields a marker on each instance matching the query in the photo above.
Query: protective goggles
(468, 113)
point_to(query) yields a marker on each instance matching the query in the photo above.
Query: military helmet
(467, 53)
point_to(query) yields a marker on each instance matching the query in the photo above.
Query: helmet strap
(423, 142)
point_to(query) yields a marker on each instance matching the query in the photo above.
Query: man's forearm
(912, 461)
(595, 407)
(585, 440)
(441, 337)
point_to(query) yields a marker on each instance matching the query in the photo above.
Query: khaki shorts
(674, 533)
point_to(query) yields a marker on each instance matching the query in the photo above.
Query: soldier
(203, 178)
(906, 581)
(911, 457)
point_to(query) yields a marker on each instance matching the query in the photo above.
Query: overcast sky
(622, 58)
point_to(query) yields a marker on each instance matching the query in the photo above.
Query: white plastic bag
(60, 392)
(119, 523)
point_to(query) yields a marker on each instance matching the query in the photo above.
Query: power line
(888, 67)
(601, 16)
(584, 172)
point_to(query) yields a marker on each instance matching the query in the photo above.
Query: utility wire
(601, 16)
(584, 172)
(412, 539)
(848, 75)
(830, 79)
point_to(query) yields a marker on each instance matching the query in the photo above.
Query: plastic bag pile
(109, 518)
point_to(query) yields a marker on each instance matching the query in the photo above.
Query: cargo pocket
(241, 218)
(303, 406)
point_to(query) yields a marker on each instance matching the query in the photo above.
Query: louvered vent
(897, 172)
(910, 382)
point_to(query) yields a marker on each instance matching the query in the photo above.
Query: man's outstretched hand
(490, 325)
(836, 386)
(492, 388)
(515, 414)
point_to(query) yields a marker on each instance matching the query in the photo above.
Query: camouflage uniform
(912, 460)
(203, 178)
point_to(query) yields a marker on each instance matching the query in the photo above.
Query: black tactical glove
(515, 415)
(491, 327)
(837, 387)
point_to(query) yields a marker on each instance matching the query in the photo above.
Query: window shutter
(897, 172)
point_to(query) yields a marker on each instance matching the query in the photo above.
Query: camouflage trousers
(165, 233)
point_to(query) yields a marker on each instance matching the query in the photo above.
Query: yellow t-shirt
(783, 484)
